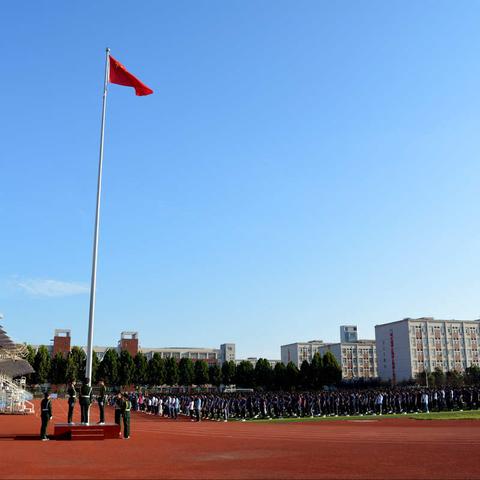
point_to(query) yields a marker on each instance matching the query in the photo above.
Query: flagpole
(93, 285)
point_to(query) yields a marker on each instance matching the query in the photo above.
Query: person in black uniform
(102, 396)
(85, 400)
(46, 415)
(72, 398)
(118, 408)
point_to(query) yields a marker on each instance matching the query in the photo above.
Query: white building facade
(348, 333)
(300, 351)
(227, 352)
(357, 359)
(411, 346)
(210, 355)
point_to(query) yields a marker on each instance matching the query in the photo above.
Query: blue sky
(300, 165)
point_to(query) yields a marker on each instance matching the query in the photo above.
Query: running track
(161, 448)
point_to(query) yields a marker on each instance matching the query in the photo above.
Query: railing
(16, 351)
(14, 399)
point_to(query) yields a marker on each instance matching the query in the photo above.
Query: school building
(357, 358)
(411, 346)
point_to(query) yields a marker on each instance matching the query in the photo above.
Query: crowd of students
(243, 406)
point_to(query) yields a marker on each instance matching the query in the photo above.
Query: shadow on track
(12, 436)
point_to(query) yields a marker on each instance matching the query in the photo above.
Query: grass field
(456, 415)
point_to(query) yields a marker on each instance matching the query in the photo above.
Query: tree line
(439, 378)
(123, 369)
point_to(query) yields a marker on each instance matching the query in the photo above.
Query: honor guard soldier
(72, 398)
(126, 407)
(118, 408)
(45, 415)
(102, 396)
(85, 400)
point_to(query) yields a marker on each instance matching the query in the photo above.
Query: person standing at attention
(46, 415)
(118, 408)
(424, 401)
(85, 400)
(379, 403)
(72, 399)
(102, 396)
(126, 407)
(198, 408)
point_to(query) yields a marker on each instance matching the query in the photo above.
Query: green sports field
(455, 415)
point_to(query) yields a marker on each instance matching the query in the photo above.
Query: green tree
(95, 365)
(141, 369)
(421, 378)
(454, 378)
(472, 375)
(42, 364)
(30, 355)
(316, 374)
(108, 368)
(71, 369)
(156, 370)
(31, 360)
(201, 372)
(58, 369)
(437, 377)
(229, 369)
(171, 371)
(214, 375)
(332, 372)
(292, 376)
(280, 376)
(263, 373)
(305, 375)
(245, 374)
(126, 368)
(186, 372)
(80, 358)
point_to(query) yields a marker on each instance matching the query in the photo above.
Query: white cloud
(51, 288)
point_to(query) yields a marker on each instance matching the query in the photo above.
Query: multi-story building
(348, 333)
(299, 351)
(411, 346)
(356, 357)
(129, 342)
(227, 352)
(61, 342)
(210, 355)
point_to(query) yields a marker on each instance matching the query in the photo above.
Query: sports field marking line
(344, 439)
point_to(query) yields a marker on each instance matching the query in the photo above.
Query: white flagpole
(93, 284)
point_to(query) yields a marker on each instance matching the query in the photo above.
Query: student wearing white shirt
(379, 403)
(424, 401)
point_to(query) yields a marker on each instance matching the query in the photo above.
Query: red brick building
(129, 342)
(61, 342)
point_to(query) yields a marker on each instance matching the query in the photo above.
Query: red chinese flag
(121, 76)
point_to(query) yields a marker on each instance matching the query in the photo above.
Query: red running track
(162, 448)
